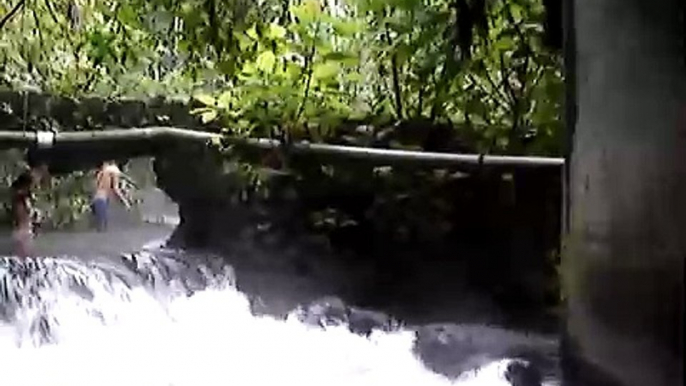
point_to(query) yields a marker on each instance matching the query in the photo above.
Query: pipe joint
(45, 139)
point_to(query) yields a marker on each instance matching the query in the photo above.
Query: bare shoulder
(112, 170)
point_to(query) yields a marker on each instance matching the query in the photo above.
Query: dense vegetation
(61, 201)
(303, 66)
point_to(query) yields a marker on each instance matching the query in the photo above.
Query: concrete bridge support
(625, 251)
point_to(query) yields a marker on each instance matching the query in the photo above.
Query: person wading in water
(24, 217)
(106, 185)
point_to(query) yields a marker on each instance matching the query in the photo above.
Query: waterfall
(164, 317)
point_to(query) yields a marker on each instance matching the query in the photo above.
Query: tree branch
(420, 100)
(38, 30)
(539, 75)
(309, 64)
(51, 12)
(498, 90)
(495, 97)
(511, 92)
(439, 84)
(520, 72)
(11, 13)
(395, 77)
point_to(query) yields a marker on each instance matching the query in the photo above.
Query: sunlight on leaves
(205, 99)
(325, 70)
(266, 61)
(209, 116)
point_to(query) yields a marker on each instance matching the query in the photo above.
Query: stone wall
(48, 112)
(503, 238)
(62, 113)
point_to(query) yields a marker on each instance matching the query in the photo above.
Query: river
(89, 317)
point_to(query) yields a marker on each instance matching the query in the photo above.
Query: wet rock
(449, 353)
(451, 350)
(332, 311)
(327, 311)
(302, 268)
(168, 267)
(523, 373)
(363, 322)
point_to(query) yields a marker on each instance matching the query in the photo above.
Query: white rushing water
(132, 337)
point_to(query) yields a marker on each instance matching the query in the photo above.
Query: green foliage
(65, 200)
(396, 61)
(304, 66)
(61, 201)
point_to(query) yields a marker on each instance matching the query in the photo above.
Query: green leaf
(224, 100)
(504, 43)
(325, 70)
(205, 99)
(347, 27)
(252, 32)
(371, 5)
(276, 31)
(244, 42)
(208, 116)
(354, 77)
(307, 11)
(127, 14)
(406, 4)
(342, 57)
(403, 52)
(249, 69)
(200, 110)
(216, 141)
(517, 12)
(227, 66)
(266, 61)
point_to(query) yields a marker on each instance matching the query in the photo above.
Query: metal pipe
(376, 155)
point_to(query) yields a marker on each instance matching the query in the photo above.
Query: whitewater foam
(129, 336)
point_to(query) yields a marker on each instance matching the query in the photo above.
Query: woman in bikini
(22, 215)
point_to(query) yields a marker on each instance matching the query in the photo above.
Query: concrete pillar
(623, 266)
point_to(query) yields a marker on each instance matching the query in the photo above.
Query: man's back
(105, 180)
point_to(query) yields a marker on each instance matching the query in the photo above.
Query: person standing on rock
(106, 186)
(24, 217)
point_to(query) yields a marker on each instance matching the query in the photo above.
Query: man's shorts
(100, 210)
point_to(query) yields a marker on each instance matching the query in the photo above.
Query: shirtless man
(23, 214)
(106, 186)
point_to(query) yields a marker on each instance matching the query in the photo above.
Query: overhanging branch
(374, 155)
(11, 13)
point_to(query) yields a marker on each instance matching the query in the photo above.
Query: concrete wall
(624, 263)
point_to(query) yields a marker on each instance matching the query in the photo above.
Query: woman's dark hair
(33, 159)
(22, 182)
